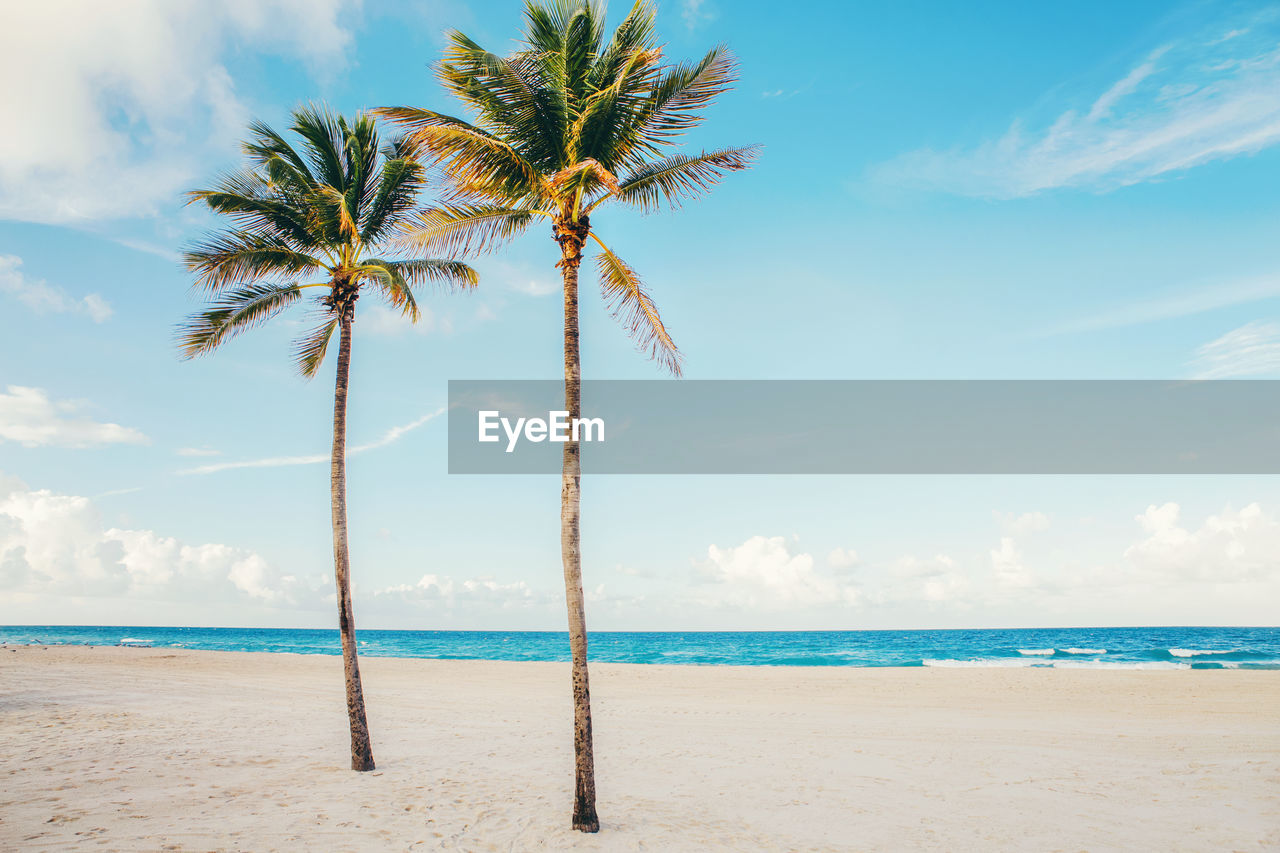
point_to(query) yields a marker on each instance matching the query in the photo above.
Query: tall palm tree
(567, 124)
(325, 212)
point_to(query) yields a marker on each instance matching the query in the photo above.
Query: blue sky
(1003, 190)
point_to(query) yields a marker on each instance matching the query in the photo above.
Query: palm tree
(565, 125)
(323, 213)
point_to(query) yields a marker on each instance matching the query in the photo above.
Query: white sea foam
(1115, 664)
(134, 641)
(1035, 651)
(948, 663)
(1187, 653)
(1023, 663)
(1085, 651)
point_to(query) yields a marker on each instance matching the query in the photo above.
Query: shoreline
(148, 748)
(1182, 664)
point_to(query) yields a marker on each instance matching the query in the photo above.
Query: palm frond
(360, 148)
(581, 178)
(630, 304)
(247, 201)
(437, 271)
(680, 177)
(464, 230)
(333, 213)
(402, 179)
(266, 146)
(308, 352)
(511, 93)
(613, 108)
(676, 102)
(232, 313)
(467, 153)
(325, 144)
(635, 33)
(241, 257)
(395, 289)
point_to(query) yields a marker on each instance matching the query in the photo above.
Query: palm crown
(325, 213)
(566, 124)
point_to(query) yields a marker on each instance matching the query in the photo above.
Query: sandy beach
(157, 749)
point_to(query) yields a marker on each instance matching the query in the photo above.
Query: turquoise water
(1102, 648)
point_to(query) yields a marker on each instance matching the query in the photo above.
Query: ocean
(1095, 648)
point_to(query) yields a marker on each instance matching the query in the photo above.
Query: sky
(999, 190)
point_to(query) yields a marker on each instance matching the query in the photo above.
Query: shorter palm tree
(324, 213)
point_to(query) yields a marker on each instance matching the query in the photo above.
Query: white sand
(151, 749)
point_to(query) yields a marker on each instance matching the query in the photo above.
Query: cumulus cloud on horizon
(57, 544)
(58, 549)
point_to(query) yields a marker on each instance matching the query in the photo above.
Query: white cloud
(1232, 546)
(633, 572)
(1251, 350)
(1183, 105)
(111, 493)
(762, 574)
(533, 286)
(936, 580)
(122, 105)
(1183, 303)
(30, 418)
(44, 298)
(840, 558)
(695, 13)
(1006, 565)
(197, 451)
(501, 276)
(450, 593)
(394, 434)
(58, 545)
(1027, 522)
(381, 320)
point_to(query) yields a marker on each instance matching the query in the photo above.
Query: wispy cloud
(1251, 350)
(30, 418)
(116, 492)
(1182, 303)
(197, 451)
(695, 14)
(149, 248)
(1017, 525)
(44, 298)
(381, 320)
(1191, 102)
(390, 436)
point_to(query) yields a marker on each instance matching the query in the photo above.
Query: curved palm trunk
(361, 749)
(571, 237)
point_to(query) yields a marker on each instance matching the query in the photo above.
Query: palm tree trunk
(571, 238)
(361, 749)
